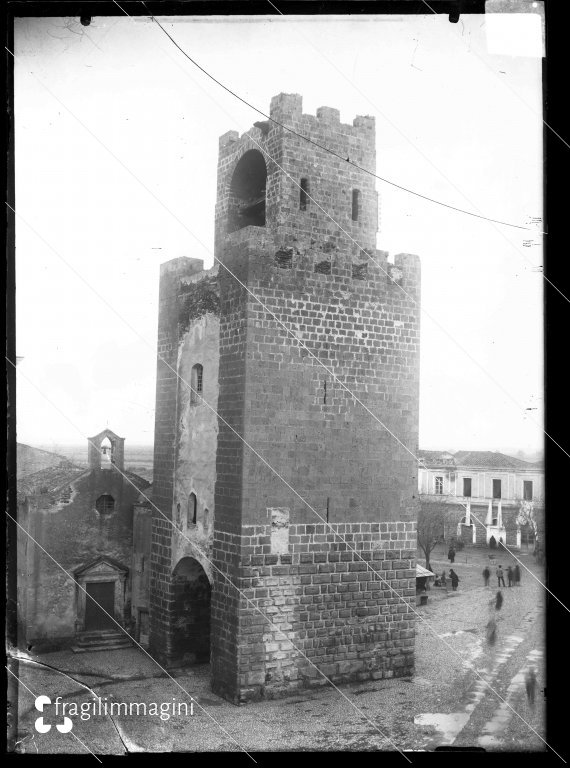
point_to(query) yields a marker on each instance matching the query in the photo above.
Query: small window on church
(355, 204)
(192, 509)
(105, 504)
(196, 384)
(304, 194)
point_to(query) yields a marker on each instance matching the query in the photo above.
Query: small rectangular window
(467, 486)
(304, 194)
(355, 204)
(496, 489)
(527, 490)
(439, 485)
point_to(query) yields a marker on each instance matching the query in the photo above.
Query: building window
(192, 509)
(527, 490)
(467, 486)
(439, 485)
(355, 204)
(304, 194)
(247, 192)
(494, 521)
(496, 489)
(196, 384)
(105, 504)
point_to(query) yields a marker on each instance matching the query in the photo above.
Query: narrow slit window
(196, 383)
(355, 204)
(304, 194)
(192, 509)
(324, 393)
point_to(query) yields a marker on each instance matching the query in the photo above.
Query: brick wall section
(346, 613)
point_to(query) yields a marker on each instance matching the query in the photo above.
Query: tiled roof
(490, 460)
(49, 480)
(436, 457)
(482, 459)
(53, 479)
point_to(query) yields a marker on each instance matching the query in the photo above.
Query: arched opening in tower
(247, 192)
(191, 626)
(106, 453)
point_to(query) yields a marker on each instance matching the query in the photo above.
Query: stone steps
(101, 641)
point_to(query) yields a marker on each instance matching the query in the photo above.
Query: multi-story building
(485, 495)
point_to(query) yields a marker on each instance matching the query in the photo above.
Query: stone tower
(291, 595)
(355, 318)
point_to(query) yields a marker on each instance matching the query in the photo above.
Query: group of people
(513, 575)
(453, 578)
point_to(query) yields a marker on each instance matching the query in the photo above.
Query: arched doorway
(191, 625)
(247, 192)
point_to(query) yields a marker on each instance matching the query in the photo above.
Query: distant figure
(451, 555)
(454, 579)
(530, 684)
(500, 576)
(510, 575)
(499, 601)
(517, 575)
(491, 631)
(486, 575)
(493, 542)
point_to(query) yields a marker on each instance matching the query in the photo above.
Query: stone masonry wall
(303, 277)
(346, 613)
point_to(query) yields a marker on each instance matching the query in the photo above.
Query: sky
(116, 154)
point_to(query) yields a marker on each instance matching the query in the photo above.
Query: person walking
(510, 575)
(454, 579)
(451, 554)
(486, 575)
(517, 575)
(500, 576)
(530, 685)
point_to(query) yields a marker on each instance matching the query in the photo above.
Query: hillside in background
(30, 459)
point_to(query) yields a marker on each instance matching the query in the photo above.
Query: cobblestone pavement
(448, 701)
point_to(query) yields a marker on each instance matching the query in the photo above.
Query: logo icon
(42, 727)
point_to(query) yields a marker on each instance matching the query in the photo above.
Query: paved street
(446, 702)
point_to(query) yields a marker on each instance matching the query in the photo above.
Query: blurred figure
(444, 580)
(491, 631)
(510, 575)
(486, 575)
(530, 685)
(499, 601)
(454, 579)
(451, 554)
(517, 575)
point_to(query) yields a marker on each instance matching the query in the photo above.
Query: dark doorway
(99, 602)
(191, 611)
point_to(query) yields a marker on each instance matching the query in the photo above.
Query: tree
(430, 529)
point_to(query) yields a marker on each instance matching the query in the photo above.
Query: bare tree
(430, 529)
